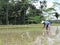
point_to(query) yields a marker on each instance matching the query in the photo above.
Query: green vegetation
(24, 12)
(19, 28)
(16, 12)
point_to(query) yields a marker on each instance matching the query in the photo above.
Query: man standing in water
(47, 26)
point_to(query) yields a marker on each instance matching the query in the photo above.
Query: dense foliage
(16, 12)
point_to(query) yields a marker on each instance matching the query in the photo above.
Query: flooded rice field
(30, 38)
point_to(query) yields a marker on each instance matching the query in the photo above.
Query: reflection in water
(57, 30)
(50, 41)
(58, 37)
(53, 40)
(30, 38)
(55, 37)
(28, 34)
(37, 41)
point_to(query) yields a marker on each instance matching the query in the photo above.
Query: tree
(14, 13)
(56, 15)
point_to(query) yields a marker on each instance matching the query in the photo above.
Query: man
(47, 26)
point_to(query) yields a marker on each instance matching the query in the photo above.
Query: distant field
(18, 28)
(55, 24)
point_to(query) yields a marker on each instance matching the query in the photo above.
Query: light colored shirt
(47, 22)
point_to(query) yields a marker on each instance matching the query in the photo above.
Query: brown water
(30, 38)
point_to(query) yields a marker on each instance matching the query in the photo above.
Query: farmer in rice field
(47, 26)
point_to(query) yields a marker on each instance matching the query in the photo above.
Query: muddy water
(30, 38)
(21, 38)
